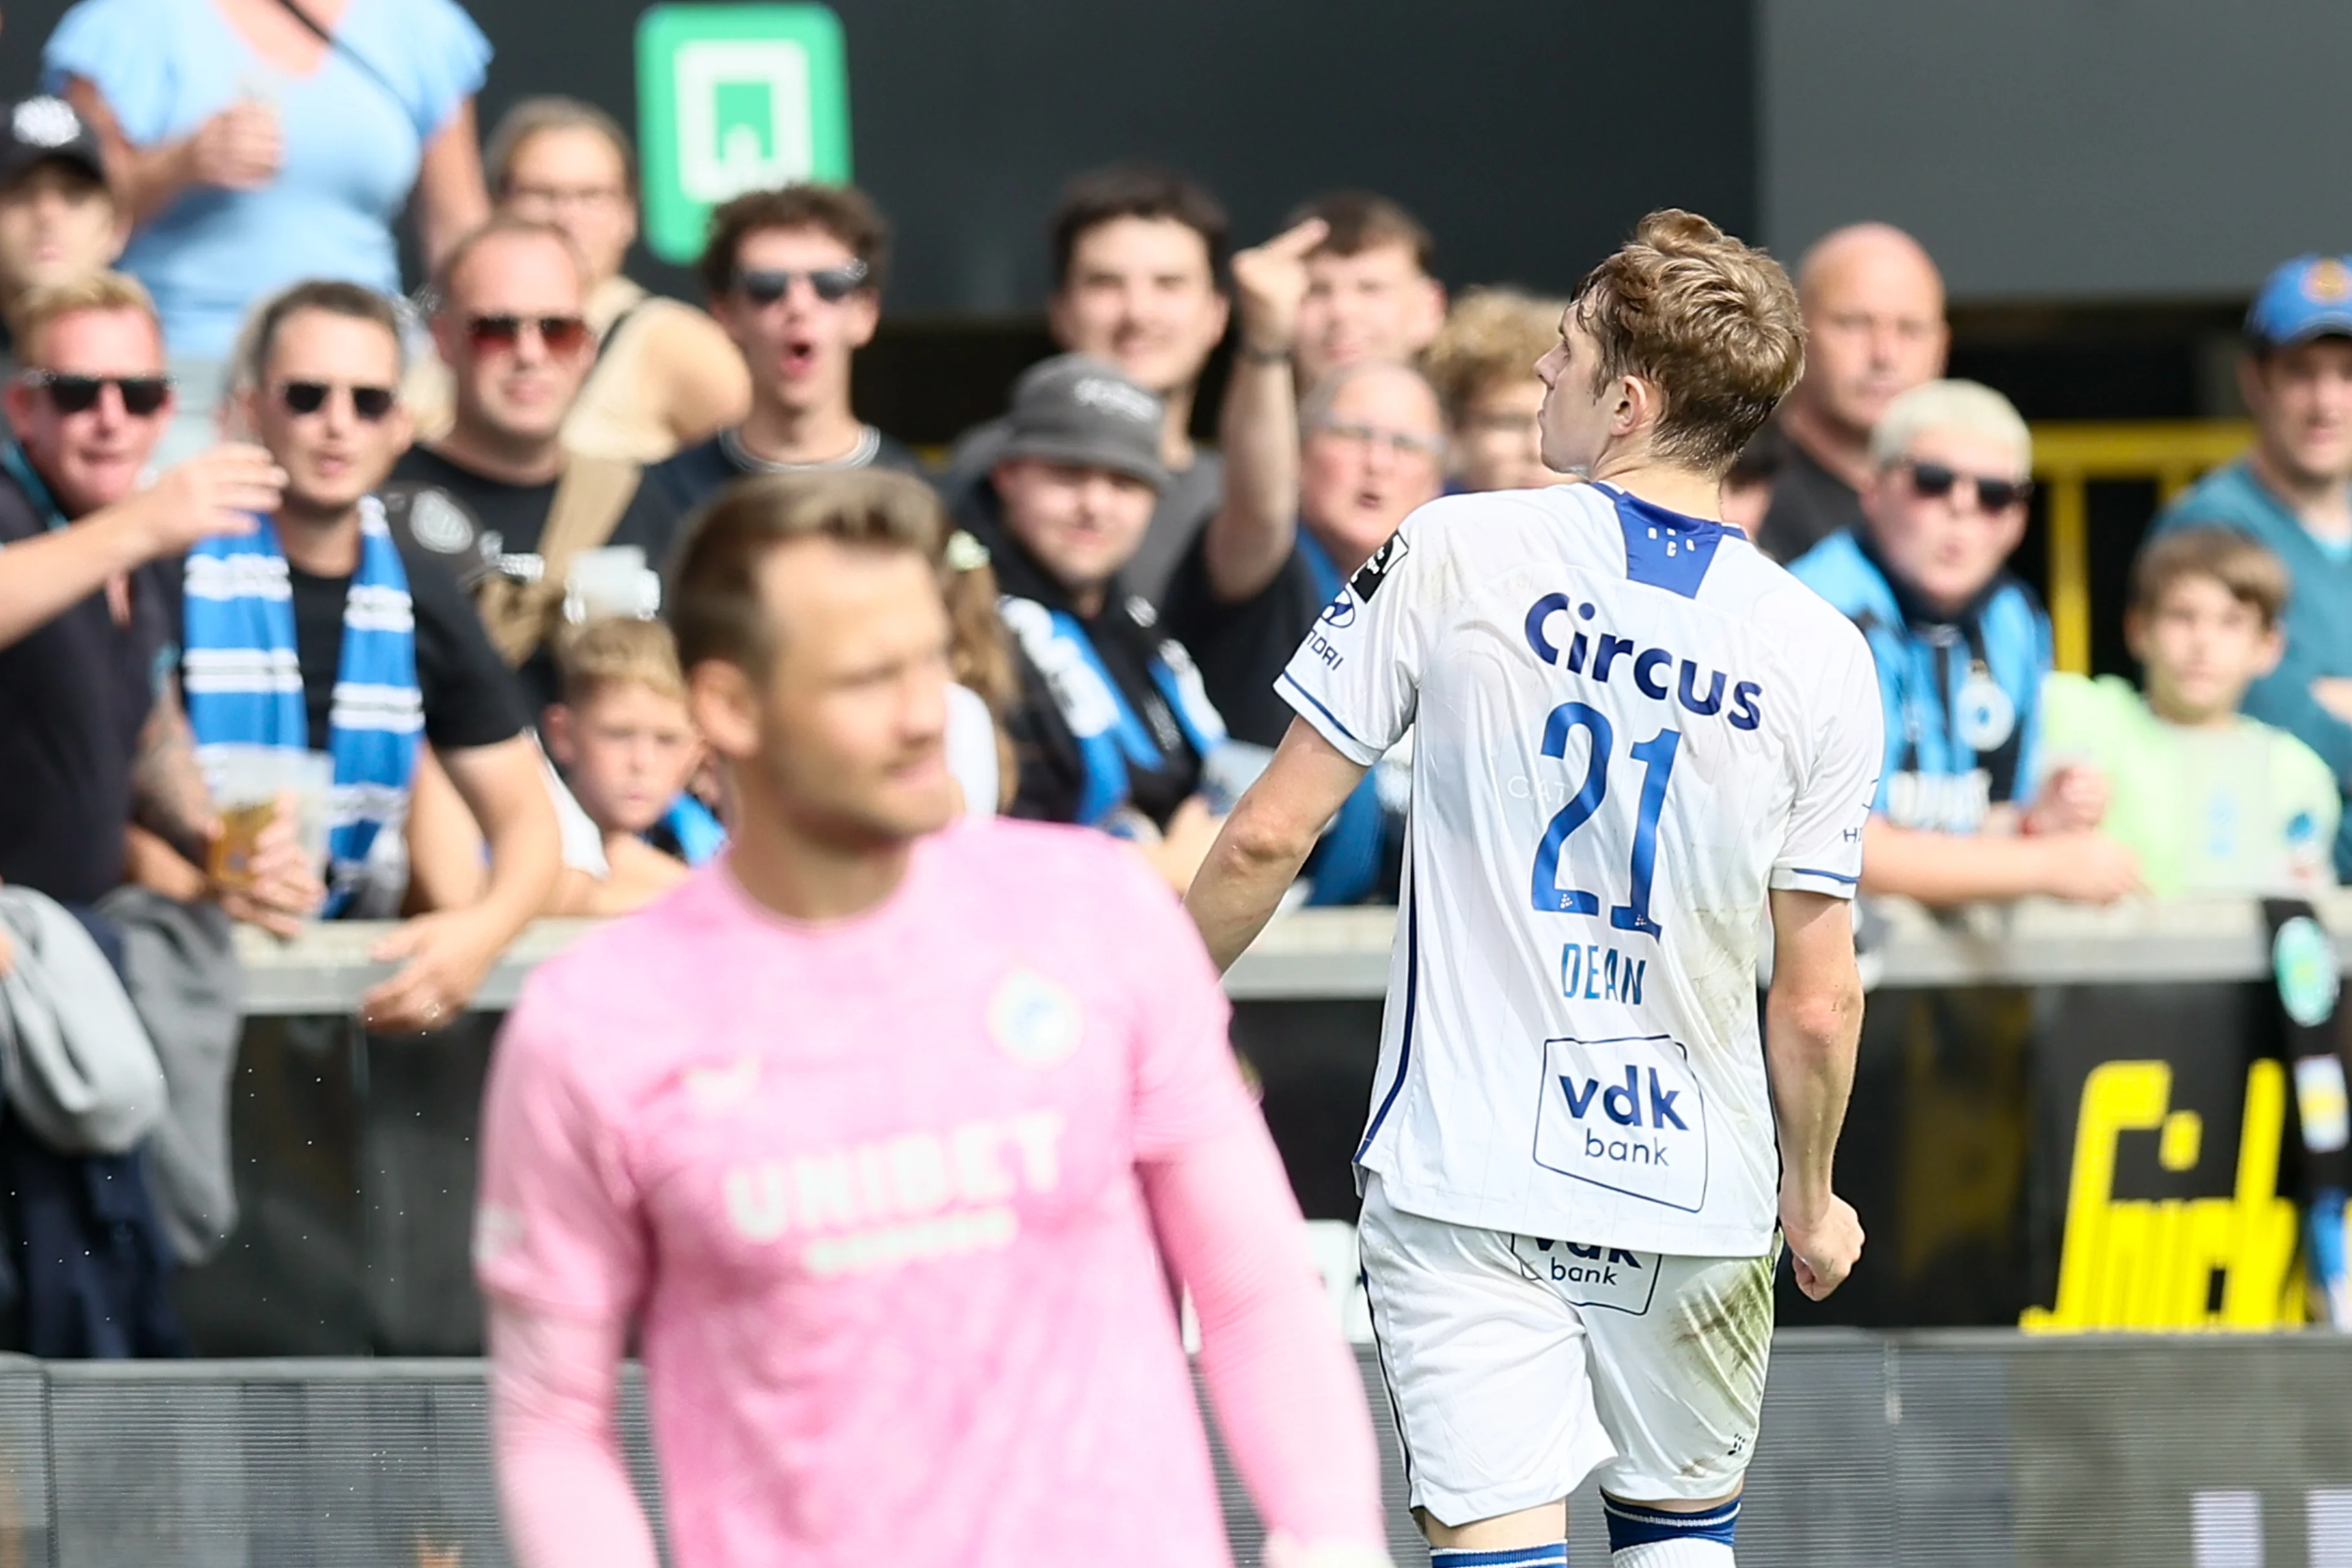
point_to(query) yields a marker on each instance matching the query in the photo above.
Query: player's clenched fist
(1824, 1240)
(216, 492)
(1270, 283)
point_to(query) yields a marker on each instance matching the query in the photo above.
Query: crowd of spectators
(254, 500)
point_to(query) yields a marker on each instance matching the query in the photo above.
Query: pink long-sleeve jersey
(881, 1196)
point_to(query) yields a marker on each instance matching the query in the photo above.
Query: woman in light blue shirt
(252, 152)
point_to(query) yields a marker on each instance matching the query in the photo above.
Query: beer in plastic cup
(247, 784)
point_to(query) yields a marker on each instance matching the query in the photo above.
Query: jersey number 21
(1656, 756)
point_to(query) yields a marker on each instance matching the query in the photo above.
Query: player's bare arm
(1267, 839)
(1812, 1023)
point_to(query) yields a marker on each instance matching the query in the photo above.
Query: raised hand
(216, 492)
(1270, 283)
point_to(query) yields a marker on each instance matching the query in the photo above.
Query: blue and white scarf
(1111, 736)
(244, 679)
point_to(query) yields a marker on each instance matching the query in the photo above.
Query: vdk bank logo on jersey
(1627, 1115)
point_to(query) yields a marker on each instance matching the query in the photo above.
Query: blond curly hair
(1491, 337)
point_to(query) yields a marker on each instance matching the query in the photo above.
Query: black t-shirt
(508, 518)
(1809, 504)
(74, 696)
(1051, 770)
(694, 474)
(471, 698)
(1243, 648)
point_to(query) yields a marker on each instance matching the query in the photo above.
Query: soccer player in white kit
(1638, 739)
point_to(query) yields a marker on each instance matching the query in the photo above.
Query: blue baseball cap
(2310, 297)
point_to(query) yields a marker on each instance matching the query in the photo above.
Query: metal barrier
(1343, 954)
(1924, 1450)
(2067, 455)
(1995, 1059)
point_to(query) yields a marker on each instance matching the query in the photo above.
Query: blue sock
(1554, 1555)
(1642, 1537)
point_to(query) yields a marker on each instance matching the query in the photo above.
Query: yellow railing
(2067, 457)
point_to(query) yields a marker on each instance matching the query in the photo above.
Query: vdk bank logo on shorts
(1627, 1115)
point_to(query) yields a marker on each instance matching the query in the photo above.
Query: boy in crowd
(628, 747)
(1139, 280)
(2210, 801)
(795, 277)
(1961, 649)
(2293, 492)
(58, 221)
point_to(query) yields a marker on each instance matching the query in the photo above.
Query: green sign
(733, 99)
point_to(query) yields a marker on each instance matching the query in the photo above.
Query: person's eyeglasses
(765, 286)
(559, 196)
(1399, 443)
(563, 336)
(141, 395)
(307, 398)
(1932, 481)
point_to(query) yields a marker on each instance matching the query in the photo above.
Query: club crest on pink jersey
(1034, 1019)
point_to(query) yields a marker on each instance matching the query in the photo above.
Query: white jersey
(1629, 725)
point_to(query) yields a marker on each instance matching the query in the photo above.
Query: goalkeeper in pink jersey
(885, 1134)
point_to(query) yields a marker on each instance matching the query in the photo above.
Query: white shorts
(1519, 1367)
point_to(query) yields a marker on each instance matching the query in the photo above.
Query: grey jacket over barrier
(79, 1069)
(189, 989)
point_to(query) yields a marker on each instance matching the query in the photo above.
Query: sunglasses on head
(765, 286)
(370, 402)
(563, 336)
(1934, 480)
(141, 395)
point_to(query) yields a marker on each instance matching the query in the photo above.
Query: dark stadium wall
(2081, 150)
(1507, 124)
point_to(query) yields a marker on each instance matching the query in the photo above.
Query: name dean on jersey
(1610, 653)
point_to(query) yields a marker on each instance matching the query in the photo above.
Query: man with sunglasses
(795, 278)
(319, 632)
(500, 496)
(92, 734)
(1961, 811)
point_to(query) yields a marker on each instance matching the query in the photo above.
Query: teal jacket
(2319, 619)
